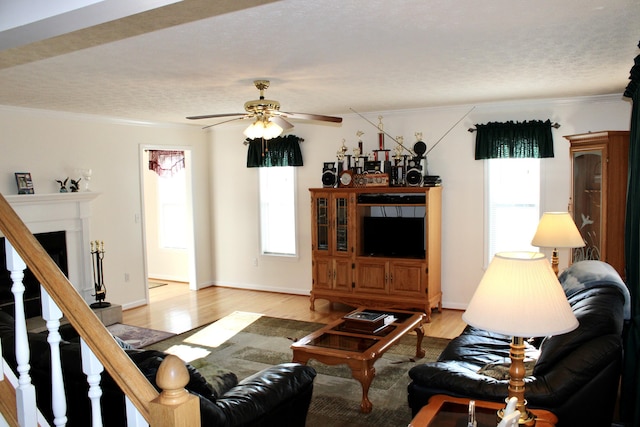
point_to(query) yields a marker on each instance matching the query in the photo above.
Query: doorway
(167, 216)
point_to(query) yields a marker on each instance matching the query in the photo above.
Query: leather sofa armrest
(259, 394)
(578, 368)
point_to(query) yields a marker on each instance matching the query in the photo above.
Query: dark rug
(136, 336)
(245, 343)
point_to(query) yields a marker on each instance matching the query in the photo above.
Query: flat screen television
(396, 237)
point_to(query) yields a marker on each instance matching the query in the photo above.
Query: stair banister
(82, 318)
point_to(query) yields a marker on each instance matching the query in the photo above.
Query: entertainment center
(377, 247)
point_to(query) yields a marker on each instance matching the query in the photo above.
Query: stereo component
(329, 175)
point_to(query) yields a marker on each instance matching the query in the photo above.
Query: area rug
(245, 343)
(138, 337)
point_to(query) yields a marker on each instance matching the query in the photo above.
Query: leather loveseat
(574, 375)
(277, 396)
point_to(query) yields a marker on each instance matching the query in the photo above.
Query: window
(172, 208)
(513, 204)
(277, 211)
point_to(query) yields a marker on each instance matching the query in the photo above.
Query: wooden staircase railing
(115, 361)
(8, 402)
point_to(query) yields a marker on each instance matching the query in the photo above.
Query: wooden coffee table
(335, 345)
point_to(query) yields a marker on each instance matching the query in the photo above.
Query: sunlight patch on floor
(187, 353)
(213, 335)
(223, 329)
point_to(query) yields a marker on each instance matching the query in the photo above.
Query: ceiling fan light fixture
(271, 130)
(262, 128)
(254, 130)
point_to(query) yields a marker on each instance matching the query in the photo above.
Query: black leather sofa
(574, 375)
(277, 396)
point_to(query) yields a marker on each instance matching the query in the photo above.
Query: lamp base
(526, 417)
(555, 261)
(516, 383)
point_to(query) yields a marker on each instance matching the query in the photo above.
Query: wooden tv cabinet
(348, 267)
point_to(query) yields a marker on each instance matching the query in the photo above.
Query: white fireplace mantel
(68, 212)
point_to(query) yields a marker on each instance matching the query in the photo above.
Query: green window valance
(280, 151)
(530, 139)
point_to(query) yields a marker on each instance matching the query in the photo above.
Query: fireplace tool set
(97, 255)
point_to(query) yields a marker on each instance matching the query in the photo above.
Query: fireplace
(55, 243)
(62, 221)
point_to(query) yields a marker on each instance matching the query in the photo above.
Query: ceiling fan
(269, 120)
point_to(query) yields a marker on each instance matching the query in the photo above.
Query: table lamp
(557, 230)
(520, 296)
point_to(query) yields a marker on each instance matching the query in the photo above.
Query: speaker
(420, 148)
(414, 177)
(372, 166)
(329, 175)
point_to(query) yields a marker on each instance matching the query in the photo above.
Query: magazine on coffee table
(365, 316)
(365, 322)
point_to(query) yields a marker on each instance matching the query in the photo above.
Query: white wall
(235, 201)
(51, 145)
(225, 191)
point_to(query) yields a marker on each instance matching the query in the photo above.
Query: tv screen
(401, 237)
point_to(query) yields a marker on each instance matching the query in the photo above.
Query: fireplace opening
(55, 244)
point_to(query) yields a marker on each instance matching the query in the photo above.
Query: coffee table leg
(420, 334)
(364, 374)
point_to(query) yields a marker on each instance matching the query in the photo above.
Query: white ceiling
(326, 56)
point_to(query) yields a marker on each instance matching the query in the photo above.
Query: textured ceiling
(200, 57)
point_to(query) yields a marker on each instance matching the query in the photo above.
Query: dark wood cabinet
(599, 168)
(377, 247)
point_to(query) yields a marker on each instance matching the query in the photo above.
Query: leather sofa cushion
(479, 348)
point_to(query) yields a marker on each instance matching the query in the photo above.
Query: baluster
(26, 392)
(52, 314)
(134, 417)
(92, 368)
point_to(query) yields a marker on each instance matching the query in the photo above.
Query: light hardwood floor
(174, 308)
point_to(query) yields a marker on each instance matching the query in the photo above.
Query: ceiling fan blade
(319, 117)
(213, 116)
(285, 125)
(225, 121)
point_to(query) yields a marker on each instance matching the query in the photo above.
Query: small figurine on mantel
(63, 185)
(75, 185)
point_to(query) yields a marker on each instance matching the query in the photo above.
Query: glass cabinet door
(322, 223)
(587, 202)
(342, 224)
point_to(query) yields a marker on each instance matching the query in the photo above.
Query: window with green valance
(530, 139)
(279, 151)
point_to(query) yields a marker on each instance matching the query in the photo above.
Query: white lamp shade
(557, 230)
(262, 129)
(519, 295)
(254, 130)
(271, 130)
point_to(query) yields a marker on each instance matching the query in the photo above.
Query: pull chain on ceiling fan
(269, 121)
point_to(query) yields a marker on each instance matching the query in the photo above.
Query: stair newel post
(26, 392)
(52, 314)
(175, 406)
(92, 368)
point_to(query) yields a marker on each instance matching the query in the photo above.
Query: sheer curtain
(530, 139)
(630, 396)
(280, 151)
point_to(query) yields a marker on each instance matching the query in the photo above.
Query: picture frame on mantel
(24, 182)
